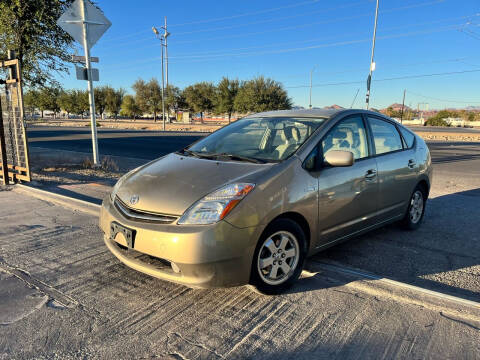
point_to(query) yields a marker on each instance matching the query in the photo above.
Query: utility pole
(403, 106)
(311, 76)
(372, 63)
(165, 36)
(161, 38)
(91, 96)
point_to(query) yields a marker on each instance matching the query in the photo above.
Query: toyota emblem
(134, 199)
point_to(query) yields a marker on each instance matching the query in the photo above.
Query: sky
(430, 48)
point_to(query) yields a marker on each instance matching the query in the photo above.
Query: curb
(71, 203)
(379, 286)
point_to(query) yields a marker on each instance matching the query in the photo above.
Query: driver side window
(348, 135)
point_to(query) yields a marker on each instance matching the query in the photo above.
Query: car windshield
(257, 139)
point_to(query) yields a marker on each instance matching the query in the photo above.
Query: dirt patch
(134, 125)
(449, 136)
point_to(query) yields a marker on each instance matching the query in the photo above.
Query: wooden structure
(14, 159)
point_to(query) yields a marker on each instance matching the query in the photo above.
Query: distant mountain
(334, 107)
(397, 107)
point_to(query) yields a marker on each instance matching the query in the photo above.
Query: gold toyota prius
(248, 203)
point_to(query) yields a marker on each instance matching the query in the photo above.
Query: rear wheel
(279, 257)
(416, 208)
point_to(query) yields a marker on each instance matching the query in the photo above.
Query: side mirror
(339, 158)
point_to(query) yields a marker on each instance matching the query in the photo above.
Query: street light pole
(372, 63)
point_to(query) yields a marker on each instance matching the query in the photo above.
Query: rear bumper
(206, 256)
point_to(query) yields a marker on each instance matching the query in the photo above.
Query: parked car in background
(249, 203)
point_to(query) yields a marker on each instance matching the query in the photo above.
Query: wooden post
(3, 150)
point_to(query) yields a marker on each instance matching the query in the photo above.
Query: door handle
(371, 174)
(411, 163)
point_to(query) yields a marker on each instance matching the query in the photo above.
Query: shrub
(436, 122)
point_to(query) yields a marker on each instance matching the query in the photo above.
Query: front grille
(132, 254)
(141, 215)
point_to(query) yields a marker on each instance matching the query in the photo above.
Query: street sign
(76, 58)
(82, 73)
(72, 22)
(86, 24)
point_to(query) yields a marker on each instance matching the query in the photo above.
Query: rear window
(408, 137)
(385, 136)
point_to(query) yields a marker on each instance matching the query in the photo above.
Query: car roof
(317, 113)
(325, 113)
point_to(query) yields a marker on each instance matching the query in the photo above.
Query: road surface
(454, 156)
(63, 295)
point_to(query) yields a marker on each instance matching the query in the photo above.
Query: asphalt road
(149, 145)
(140, 144)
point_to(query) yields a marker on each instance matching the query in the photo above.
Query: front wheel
(416, 209)
(279, 257)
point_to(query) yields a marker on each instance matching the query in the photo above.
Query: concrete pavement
(75, 300)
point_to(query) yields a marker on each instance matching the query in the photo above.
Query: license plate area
(128, 234)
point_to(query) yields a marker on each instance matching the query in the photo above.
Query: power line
(247, 14)
(313, 12)
(387, 79)
(200, 58)
(315, 39)
(275, 19)
(216, 19)
(292, 27)
(444, 100)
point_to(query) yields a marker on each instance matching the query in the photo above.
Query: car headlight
(215, 206)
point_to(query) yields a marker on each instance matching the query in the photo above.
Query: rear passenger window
(385, 136)
(408, 137)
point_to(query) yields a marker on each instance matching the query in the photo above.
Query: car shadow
(442, 255)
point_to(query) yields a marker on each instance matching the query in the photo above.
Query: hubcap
(278, 258)
(416, 207)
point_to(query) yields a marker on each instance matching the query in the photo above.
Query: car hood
(173, 183)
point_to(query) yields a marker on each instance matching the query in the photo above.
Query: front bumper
(206, 256)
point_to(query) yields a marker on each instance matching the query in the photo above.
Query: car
(248, 203)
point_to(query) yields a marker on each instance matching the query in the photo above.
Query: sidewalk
(63, 295)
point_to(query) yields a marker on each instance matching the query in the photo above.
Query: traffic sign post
(86, 24)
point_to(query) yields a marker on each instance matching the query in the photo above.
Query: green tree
(130, 108)
(173, 99)
(30, 101)
(227, 91)
(262, 94)
(48, 100)
(113, 100)
(200, 97)
(67, 101)
(30, 28)
(148, 96)
(82, 104)
(100, 93)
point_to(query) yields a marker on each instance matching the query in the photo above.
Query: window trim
(388, 121)
(403, 138)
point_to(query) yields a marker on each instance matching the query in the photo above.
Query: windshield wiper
(190, 152)
(239, 158)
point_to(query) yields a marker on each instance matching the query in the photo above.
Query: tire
(416, 209)
(279, 257)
